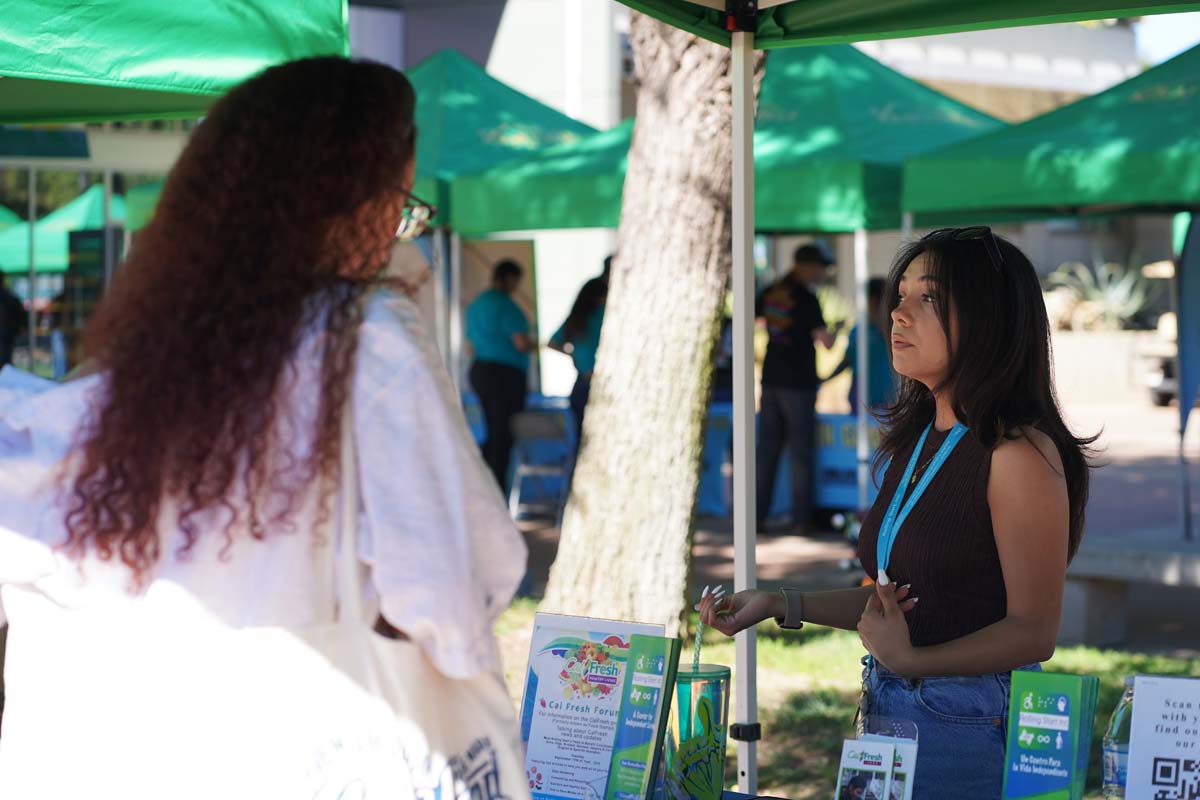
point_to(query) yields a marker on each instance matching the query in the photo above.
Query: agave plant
(1109, 296)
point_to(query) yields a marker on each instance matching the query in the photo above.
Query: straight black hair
(1000, 363)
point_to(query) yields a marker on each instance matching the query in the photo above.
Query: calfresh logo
(590, 670)
(603, 674)
(866, 757)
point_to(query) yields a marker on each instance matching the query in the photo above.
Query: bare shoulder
(1027, 455)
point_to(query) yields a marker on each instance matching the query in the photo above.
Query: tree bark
(625, 550)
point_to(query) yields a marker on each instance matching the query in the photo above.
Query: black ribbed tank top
(946, 548)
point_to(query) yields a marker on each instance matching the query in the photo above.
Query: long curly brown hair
(281, 209)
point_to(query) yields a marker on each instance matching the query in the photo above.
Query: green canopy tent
(73, 60)
(832, 131)
(1133, 146)
(572, 185)
(140, 203)
(743, 25)
(52, 233)
(8, 218)
(467, 121)
(787, 23)
(831, 134)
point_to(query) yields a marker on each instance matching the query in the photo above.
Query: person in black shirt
(787, 414)
(13, 319)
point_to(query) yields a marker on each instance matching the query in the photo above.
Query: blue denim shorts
(962, 727)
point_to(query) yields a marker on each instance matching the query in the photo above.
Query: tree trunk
(625, 551)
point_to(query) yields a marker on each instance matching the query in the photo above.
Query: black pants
(786, 416)
(501, 391)
(578, 400)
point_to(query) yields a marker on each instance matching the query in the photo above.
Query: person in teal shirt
(498, 332)
(880, 381)
(579, 337)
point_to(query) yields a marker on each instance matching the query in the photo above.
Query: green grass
(808, 686)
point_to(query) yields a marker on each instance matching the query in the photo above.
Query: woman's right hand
(741, 610)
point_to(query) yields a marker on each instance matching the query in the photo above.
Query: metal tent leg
(744, 532)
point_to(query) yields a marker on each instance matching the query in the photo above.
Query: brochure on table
(1164, 741)
(904, 764)
(1050, 724)
(867, 764)
(596, 698)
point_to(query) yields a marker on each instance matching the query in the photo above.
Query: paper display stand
(1164, 741)
(597, 693)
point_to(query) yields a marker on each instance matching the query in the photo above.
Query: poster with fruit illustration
(572, 704)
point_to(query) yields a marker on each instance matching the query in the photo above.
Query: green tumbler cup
(694, 748)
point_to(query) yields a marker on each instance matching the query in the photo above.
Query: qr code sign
(1176, 779)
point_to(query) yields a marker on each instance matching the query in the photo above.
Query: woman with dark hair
(171, 524)
(579, 337)
(980, 510)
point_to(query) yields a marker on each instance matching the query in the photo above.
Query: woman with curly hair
(159, 514)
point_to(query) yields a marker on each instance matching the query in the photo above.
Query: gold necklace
(917, 472)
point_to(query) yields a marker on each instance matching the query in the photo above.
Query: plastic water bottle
(1116, 745)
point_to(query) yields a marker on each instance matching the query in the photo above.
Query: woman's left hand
(884, 631)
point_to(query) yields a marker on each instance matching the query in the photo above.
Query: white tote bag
(397, 727)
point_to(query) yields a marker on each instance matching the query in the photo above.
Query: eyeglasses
(981, 232)
(417, 214)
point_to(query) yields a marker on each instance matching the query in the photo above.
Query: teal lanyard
(896, 515)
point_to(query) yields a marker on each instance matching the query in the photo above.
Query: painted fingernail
(884, 580)
(906, 586)
(914, 600)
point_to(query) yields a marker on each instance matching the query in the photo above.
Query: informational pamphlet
(596, 698)
(904, 764)
(649, 687)
(1164, 739)
(1050, 724)
(867, 766)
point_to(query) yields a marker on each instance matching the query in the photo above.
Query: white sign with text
(1164, 742)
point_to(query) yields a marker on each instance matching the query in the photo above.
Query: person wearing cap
(787, 411)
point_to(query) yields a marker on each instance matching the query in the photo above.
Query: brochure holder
(872, 725)
(900, 738)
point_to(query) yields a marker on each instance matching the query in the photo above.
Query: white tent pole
(456, 316)
(861, 368)
(109, 262)
(906, 225)
(441, 317)
(32, 270)
(744, 532)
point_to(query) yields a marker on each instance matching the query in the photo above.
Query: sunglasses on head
(417, 214)
(975, 232)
